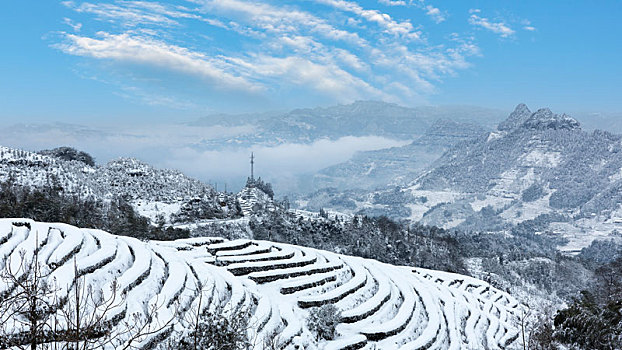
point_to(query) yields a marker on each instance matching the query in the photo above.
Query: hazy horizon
(177, 145)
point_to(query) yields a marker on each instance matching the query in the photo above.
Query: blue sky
(112, 61)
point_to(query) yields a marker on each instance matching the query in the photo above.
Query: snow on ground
(306, 214)
(154, 209)
(452, 223)
(416, 211)
(527, 210)
(226, 222)
(383, 306)
(493, 201)
(616, 177)
(581, 233)
(236, 228)
(541, 158)
(508, 185)
(432, 198)
(494, 135)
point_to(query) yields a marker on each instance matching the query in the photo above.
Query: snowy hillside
(536, 166)
(537, 163)
(397, 165)
(124, 177)
(33, 169)
(151, 191)
(382, 306)
(252, 200)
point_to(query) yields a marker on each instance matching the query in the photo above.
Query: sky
(145, 61)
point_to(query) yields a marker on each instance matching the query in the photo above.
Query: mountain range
(361, 118)
(535, 166)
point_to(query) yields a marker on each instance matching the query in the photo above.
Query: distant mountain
(516, 119)
(541, 148)
(609, 121)
(535, 166)
(361, 118)
(397, 165)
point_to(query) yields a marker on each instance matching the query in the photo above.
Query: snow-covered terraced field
(382, 306)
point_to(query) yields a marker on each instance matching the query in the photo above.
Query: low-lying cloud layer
(177, 147)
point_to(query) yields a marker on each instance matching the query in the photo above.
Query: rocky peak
(516, 119)
(545, 119)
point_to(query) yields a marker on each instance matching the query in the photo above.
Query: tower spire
(252, 166)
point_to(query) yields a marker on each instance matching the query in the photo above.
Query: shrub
(214, 330)
(69, 153)
(533, 193)
(323, 320)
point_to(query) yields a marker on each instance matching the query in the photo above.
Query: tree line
(51, 204)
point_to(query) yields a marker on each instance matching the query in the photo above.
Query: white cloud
(144, 50)
(279, 20)
(328, 78)
(393, 2)
(339, 53)
(275, 163)
(498, 27)
(75, 26)
(404, 28)
(435, 13)
(527, 25)
(250, 74)
(351, 60)
(128, 15)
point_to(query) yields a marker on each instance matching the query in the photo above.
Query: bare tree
(541, 333)
(26, 306)
(272, 341)
(524, 324)
(140, 327)
(86, 316)
(34, 314)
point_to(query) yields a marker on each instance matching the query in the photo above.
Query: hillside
(536, 166)
(396, 165)
(152, 192)
(381, 306)
(536, 163)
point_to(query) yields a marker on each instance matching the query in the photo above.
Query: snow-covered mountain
(397, 165)
(159, 283)
(123, 177)
(535, 163)
(151, 191)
